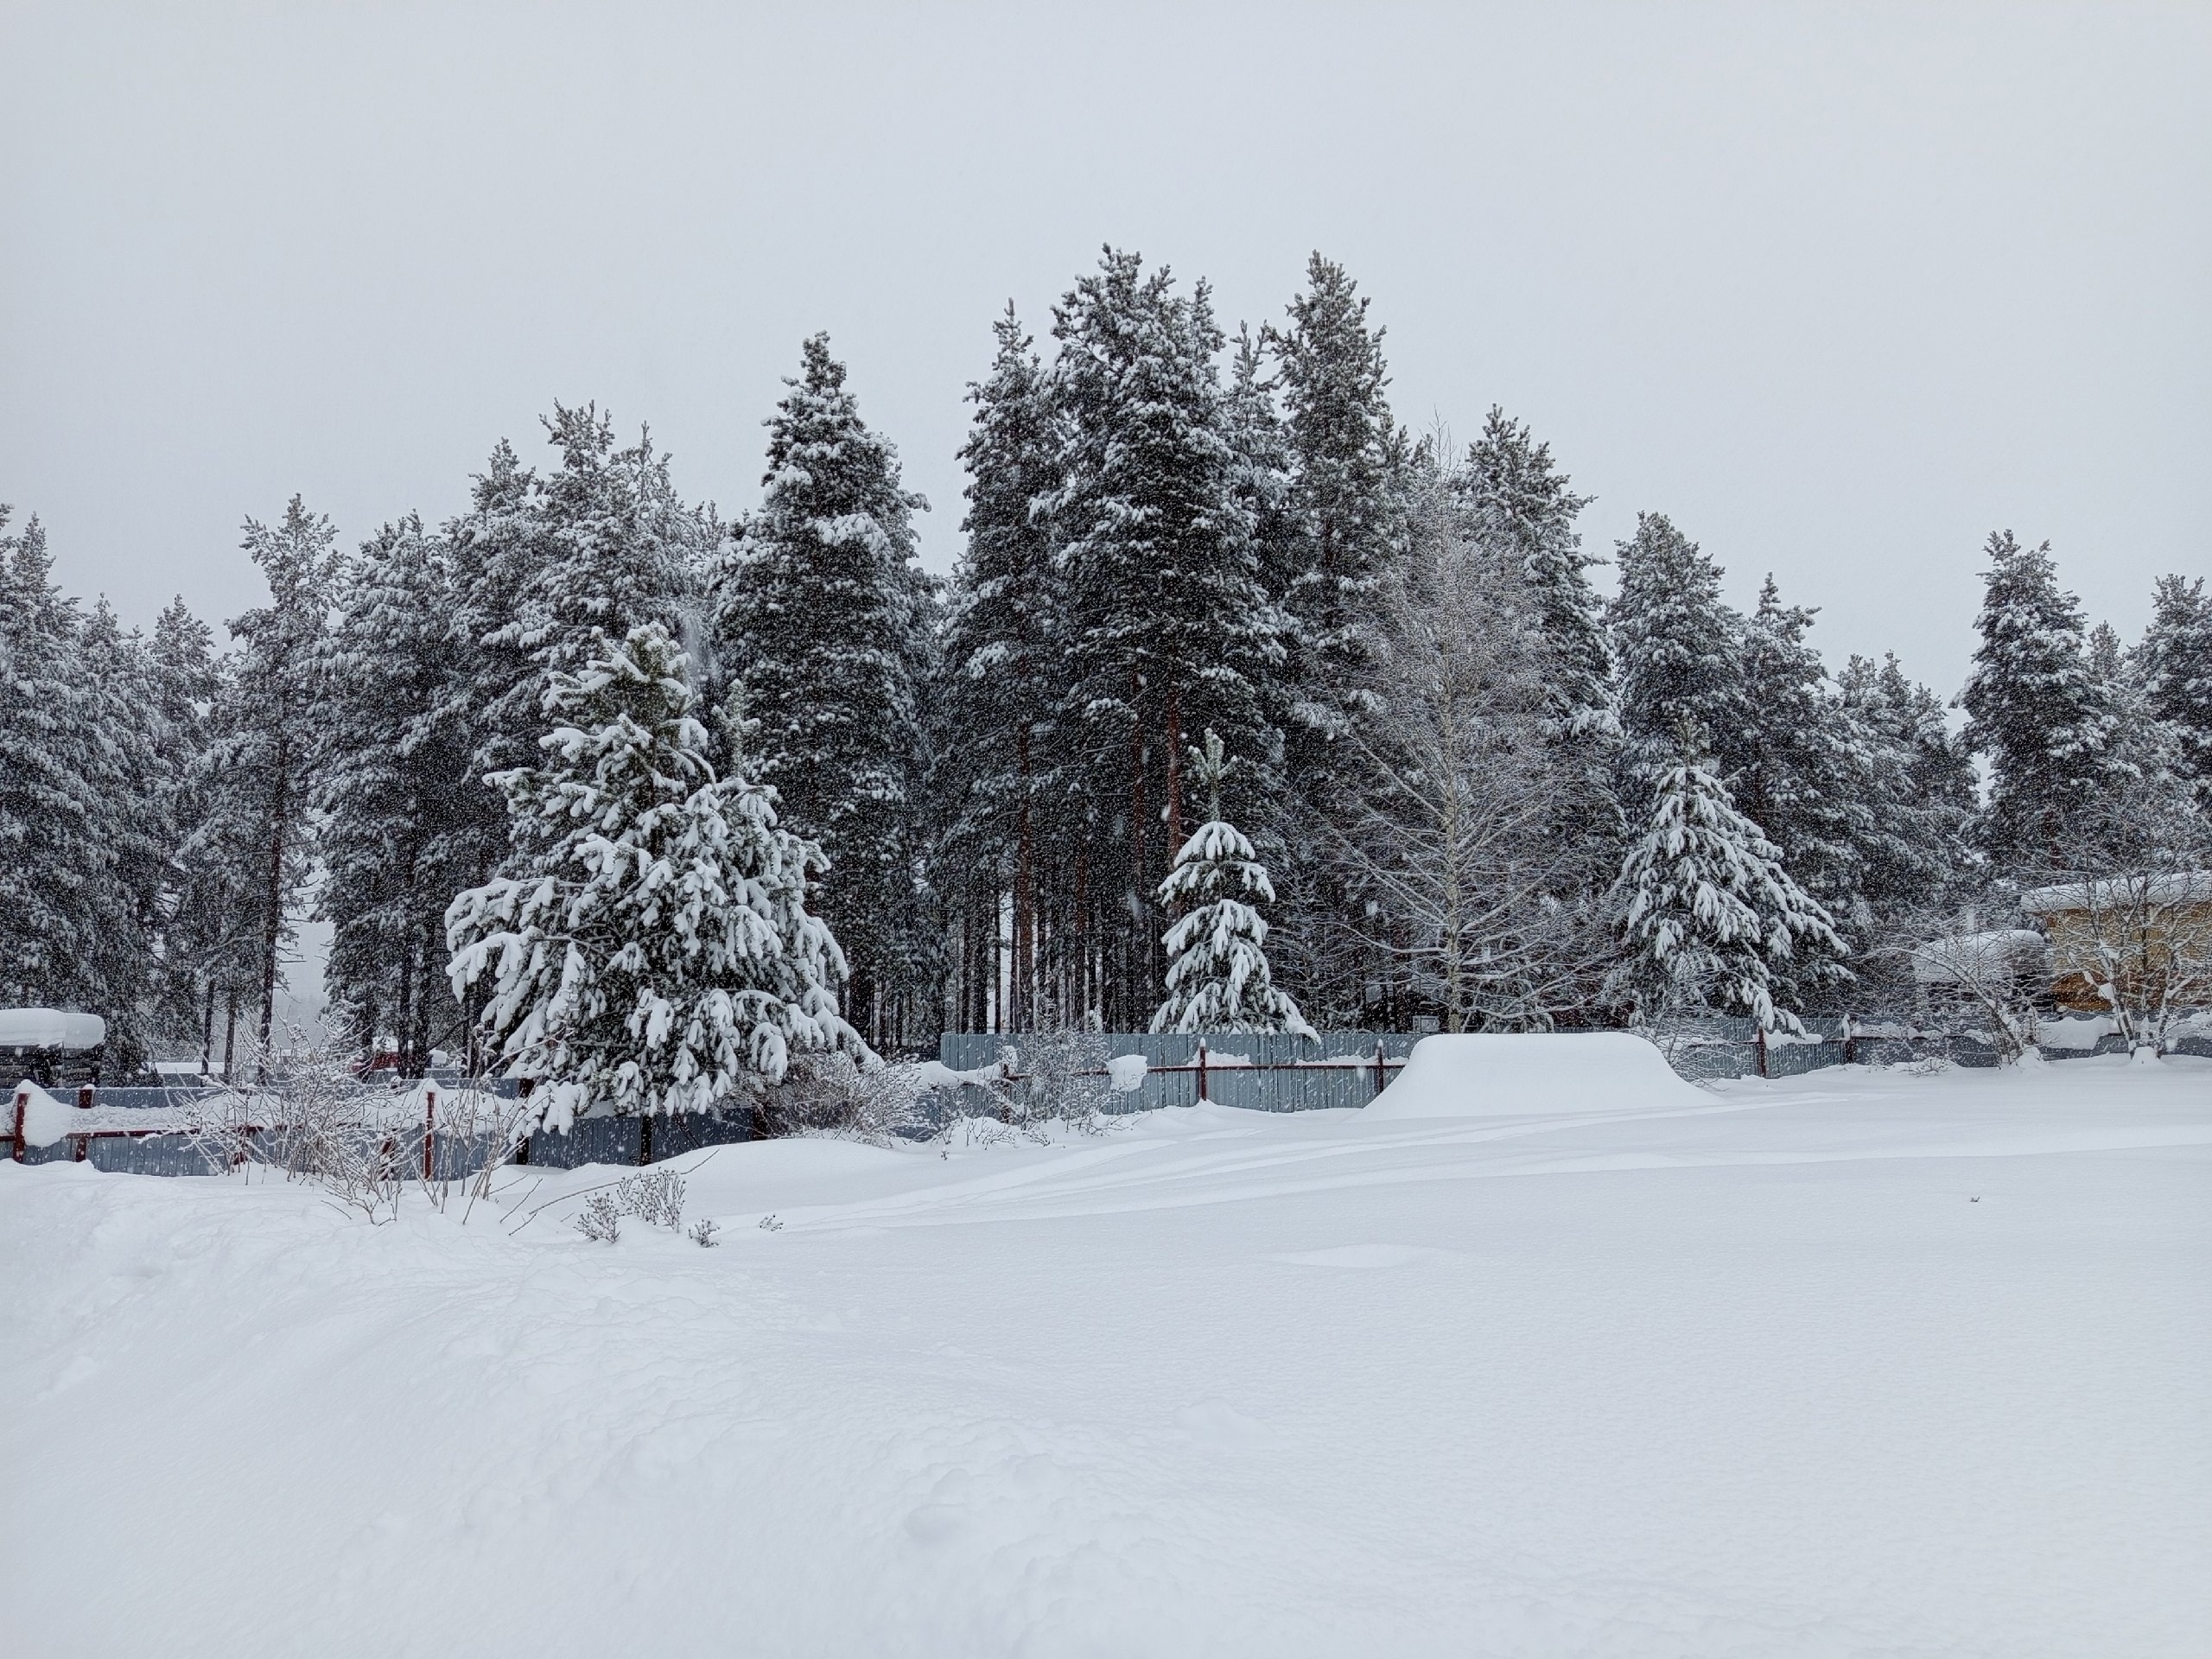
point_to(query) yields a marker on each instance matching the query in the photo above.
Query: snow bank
(1480, 1076)
(1871, 1362)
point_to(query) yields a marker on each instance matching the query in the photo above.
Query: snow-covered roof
(1960, 956)
(2176, 887)
(50, 1028)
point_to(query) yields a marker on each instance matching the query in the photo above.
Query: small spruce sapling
(1217, 973)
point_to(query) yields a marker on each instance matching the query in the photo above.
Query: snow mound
(1498, 1074)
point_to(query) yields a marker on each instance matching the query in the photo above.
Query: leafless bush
(474, 1117)
(1043, 1078)
(829, 1093)
(310, 1120)
(654, 1196)
(1979, 971)
(703, 1233)
(601, 1219)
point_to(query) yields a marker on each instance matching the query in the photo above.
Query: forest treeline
(1486, 792)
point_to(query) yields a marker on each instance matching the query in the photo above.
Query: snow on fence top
(2176, 887)
(50, 1028)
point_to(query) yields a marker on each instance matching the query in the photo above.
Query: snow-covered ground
(1865, 1363)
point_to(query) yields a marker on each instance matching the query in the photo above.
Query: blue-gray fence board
(1264, 1071)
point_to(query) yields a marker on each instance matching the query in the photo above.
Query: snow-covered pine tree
(827, 622)
(1710, 920)
(52, 856)
(1310, 697)
(609, 545)
(1518, 493)
(655, 951)
(2174, 664)
(198, 911)
(394, 780)
(1679, 650)
(265, 746)
(1808, 770)
(87, 773)
(1001, 640)
(1217, 973)
(495, 559)
(2036, 708)
(1921, 795)
(1342, 463)
(1171, 630)
(124, 757)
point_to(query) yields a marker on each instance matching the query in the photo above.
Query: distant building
(2149, 937)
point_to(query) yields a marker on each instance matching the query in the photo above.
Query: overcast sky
(1841, 288)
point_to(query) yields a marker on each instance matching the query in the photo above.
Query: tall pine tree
(1003, 633)
(2038, 710)
(827, 622)
(394, 785)
(264, 749)
(1679, 650)
(2174, 663)
(1171, 630)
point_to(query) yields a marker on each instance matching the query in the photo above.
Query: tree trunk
(1138, 893)
(1083, 927)
(1174, 771)
(272, 924)
(1025, 900)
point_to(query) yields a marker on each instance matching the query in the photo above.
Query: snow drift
(1491, 1074)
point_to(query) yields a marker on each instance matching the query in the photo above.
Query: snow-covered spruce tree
(126, 756)
(1171, 630)
(2036, 707)
(2174, 664)
(263, 750)
(49, 843)
(1679, 648)
(1808, 772)
(1217, 973)
(1921, 795)
(1003, 621)
(80, 866)
(655, 950)
(1710, 921)
(826, 620)
(394, 783)
(1517, 492)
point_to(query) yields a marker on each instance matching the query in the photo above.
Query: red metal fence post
(1382, 1077)
(1202, 1068)
(1761, 1039)
(430, 1127)
(80, 1145)
(23, 1110)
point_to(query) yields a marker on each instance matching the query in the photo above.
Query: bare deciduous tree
(1450, 834)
